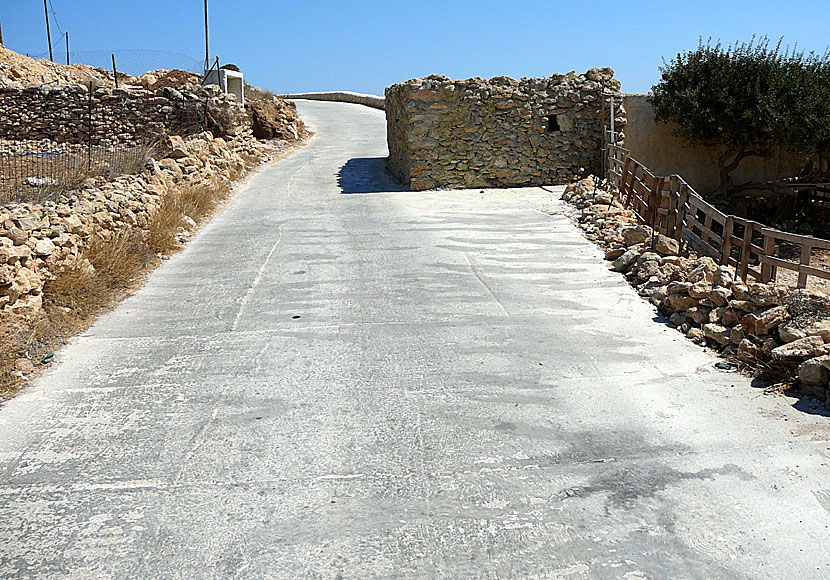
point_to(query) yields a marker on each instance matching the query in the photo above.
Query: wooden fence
(670, 206)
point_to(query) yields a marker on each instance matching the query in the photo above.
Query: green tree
(750, 99)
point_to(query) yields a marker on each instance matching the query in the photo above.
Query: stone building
(499, 132)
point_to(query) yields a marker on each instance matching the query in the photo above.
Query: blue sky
(365, 46)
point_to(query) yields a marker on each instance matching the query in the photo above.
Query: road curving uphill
(339, 379)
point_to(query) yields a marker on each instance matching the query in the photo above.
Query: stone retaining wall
(342, 97)
(38, 240)
(71, 114)
(498, 132)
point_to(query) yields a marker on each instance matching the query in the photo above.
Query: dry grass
(193, 201)
(253, 93)
(775, 376)
(77, 296)
(72, 301)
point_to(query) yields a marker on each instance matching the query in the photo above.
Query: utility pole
(67, 49)
(1, 34)
(48, 33)
(207, 42)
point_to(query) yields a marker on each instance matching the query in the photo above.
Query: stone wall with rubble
(499, 132)
(73, 114)
(39, 240)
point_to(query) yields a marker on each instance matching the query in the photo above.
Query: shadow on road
(367, 175)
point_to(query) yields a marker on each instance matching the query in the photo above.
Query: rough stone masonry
(73, 114)
(499, 132)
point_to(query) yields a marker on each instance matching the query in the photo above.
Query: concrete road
(338, 381)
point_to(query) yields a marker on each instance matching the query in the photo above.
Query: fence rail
(672, 207)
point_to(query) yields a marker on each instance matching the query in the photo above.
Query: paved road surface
(332, 382)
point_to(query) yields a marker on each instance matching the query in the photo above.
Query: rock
(749, 352)
(276, 120)
(17, 235)
(26, 305)
(815, 371)
(678, 288)
(744, 305)
(699, 290)
(736, 335)
(731, 317)
(770, 319)
(665, 246)
(677, 318)
(6, 276)
(635, 235)
(790, 332)
(809, 300)
(769, 345)
(795, 330)
(718, 333)
(808, 347)
(699, 314)
(614, 253)
(703, 272)
(766, 294)
(26, 281)
(177, 148)
(73, 224)
(740, 291)
(24, 366)
(720, 296)
(724, 277)
(696, 334)
(625, 261)
(681, 302)
(44, 247)
(604, 198)
(658, 295)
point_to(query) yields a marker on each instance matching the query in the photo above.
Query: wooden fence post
(728, 228)
(806, 254)
(746, 250)
(768, 270)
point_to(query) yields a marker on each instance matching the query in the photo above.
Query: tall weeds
(107, 269)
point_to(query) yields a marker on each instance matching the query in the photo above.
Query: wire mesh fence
(133, 62)
(109, 138)
(36, 171)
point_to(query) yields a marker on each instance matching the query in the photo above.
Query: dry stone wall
(499, 132)
(38, 240)
(73, 114)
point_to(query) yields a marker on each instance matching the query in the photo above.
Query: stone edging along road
(373, 101)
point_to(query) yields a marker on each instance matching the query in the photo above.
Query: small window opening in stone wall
(552, 124)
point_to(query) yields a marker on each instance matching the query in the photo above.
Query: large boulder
(275, 120)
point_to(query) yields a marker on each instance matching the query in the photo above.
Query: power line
(55, 17)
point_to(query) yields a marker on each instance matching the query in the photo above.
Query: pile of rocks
(499, 132)
(758, 324)
(39, 240)
(275, 119)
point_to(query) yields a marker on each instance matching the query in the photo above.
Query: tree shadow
(367, 175)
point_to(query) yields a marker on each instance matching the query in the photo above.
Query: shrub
(747, 100)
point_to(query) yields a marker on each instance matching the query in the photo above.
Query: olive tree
(746, 100)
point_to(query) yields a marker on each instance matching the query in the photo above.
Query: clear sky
(315, 45)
